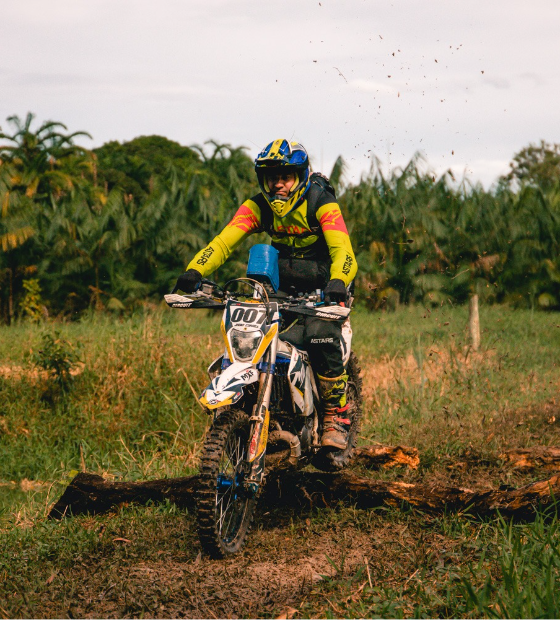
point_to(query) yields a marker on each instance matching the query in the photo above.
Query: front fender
(227, 388)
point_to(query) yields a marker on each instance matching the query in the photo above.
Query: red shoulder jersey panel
(333, 220)
(245, 219)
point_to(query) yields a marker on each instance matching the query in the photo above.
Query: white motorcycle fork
(260, 421)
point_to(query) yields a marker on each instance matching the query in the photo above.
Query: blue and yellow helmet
(289, 157)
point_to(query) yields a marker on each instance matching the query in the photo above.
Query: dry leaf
(289, 612)
(50, 579)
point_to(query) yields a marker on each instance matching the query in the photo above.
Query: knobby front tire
(224, 512)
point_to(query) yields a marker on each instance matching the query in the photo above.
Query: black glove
(335, 291)
(188, 282)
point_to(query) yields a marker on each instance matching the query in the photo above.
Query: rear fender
(227, 387)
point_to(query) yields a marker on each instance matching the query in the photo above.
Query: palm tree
(43, 158)
(83, 247)
(336, 177)
(17, 227)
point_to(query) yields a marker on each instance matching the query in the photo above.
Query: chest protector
(304, 259)
(306, 241)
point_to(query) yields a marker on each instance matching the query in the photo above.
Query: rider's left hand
(335, 291)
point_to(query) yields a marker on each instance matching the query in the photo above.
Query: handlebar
(210, 289)
(211, 295)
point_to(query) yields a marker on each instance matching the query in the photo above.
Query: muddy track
(278, 569)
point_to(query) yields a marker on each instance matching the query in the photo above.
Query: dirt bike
(263, 396)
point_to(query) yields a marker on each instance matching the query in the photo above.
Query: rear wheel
(225, 511)
(333, 460)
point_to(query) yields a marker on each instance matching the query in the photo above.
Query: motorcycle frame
(240, 373)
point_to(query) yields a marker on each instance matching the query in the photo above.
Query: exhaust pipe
(292, 441)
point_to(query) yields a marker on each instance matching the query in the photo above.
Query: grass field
(128, 411)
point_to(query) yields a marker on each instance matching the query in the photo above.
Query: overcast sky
(468, 83)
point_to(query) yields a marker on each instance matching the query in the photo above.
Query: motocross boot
(336, 424)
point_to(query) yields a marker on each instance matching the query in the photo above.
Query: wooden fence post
(474, 322)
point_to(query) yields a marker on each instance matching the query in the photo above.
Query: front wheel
(225, 510)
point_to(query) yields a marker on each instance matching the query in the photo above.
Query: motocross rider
(307, 228)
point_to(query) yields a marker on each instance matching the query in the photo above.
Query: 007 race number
(248, 315)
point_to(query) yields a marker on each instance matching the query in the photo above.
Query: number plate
(246, 315)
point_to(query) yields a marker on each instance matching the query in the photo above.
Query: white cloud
(55, 12)
(243, 72)
(498, 82)
(370, 86)
(484, 171)
(534, 78)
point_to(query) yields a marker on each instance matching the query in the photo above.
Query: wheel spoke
(225, 514)
(233, 451)
(227, 454)
(220, 498)
(233, 513)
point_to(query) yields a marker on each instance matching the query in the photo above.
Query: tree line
(111, 228)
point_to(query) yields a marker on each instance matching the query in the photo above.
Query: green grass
(493, 570)
(130, 413)
(130, 407)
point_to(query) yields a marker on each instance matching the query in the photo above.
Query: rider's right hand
(188, 282)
